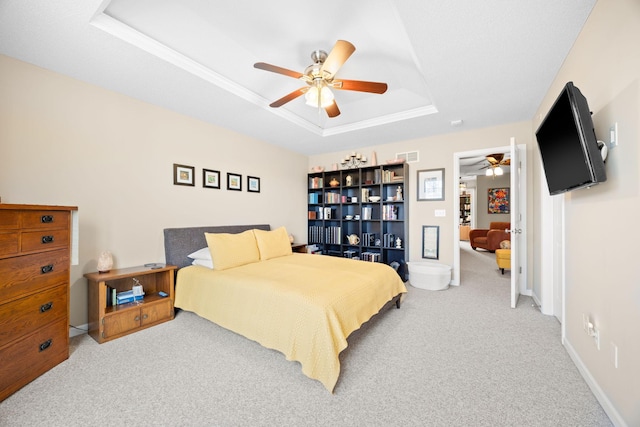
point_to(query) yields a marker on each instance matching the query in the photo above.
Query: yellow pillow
(273, 244)
(232, 250)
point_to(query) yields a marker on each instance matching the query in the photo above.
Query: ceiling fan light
(489, 172)
(319, 97)
(326, 97)
(498, 171)
(312, 97)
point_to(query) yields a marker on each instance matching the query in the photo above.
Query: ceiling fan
(320, 78)
(495, 161)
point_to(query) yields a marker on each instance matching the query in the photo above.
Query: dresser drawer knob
(46, 307)
(137, 319)
(145, 316)
(46, 269)
(47, 239)
(45, 345)
(46, 219)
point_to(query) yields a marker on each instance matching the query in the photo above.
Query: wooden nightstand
(108, 322)
(299, 247)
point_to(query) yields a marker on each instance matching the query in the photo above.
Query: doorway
(518, 214)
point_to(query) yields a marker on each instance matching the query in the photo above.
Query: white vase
(374, 159)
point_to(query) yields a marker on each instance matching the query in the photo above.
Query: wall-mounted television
(568, 146)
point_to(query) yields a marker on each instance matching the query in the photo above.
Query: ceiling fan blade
(279, 70)
(506, 162)
(360, 86)
(290, 97)
(332, 110)
(341, 51)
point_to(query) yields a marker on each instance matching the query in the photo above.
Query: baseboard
(74, 331)
(606, 404)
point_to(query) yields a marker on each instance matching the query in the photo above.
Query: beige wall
(602, 279)
(64, 142)
(437, 152)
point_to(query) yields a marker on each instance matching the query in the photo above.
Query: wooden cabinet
(370, 203)
(108, 321)
(34, 291)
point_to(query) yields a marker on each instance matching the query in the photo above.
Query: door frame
(457, 156)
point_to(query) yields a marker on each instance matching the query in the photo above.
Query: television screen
(568, 145)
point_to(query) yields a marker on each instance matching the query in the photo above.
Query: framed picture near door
(431, 184)
(498, 201)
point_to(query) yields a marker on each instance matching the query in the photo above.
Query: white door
(518, 206)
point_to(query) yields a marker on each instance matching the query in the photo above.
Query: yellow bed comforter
(304, 306)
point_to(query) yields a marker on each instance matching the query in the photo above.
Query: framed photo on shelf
(498, 201)
(431, 241)
(234, 181)
(253, 184)
(431, 184)
(183, 175)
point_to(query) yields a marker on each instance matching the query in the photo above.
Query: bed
(304, 306)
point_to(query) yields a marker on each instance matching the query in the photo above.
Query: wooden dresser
(35, 263)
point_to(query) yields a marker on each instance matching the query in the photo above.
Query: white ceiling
(482, 62)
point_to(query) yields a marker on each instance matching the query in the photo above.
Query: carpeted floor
(458, 357)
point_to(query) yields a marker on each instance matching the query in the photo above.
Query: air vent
(409, 157)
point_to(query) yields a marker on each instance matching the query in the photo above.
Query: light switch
(440, 212)
(613, 135)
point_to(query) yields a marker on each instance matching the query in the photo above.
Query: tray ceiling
(481, 63)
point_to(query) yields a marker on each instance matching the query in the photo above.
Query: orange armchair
(489, 239)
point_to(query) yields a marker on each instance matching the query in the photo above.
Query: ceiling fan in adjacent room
(320, 78)
(495, 161)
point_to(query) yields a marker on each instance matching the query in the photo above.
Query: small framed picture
(431, 241)
(253, 184)
(431, 184)
(183, 175)
(234, 181)
(210, 178)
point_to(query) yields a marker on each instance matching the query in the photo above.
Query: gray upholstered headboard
(180, 242)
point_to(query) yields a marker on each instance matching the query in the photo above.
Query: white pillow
(203, 253)
(203, 262)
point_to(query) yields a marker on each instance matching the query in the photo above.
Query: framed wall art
(431, 241)
(210, 178)
(253, 184)
(234, 181)
(183, 175)
(430, 184)
(498, 201)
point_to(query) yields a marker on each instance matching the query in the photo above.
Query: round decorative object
(334, 182)
(374, 199)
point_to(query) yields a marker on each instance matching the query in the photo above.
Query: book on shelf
(316, 182)
(127, 297)
(370, 256)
